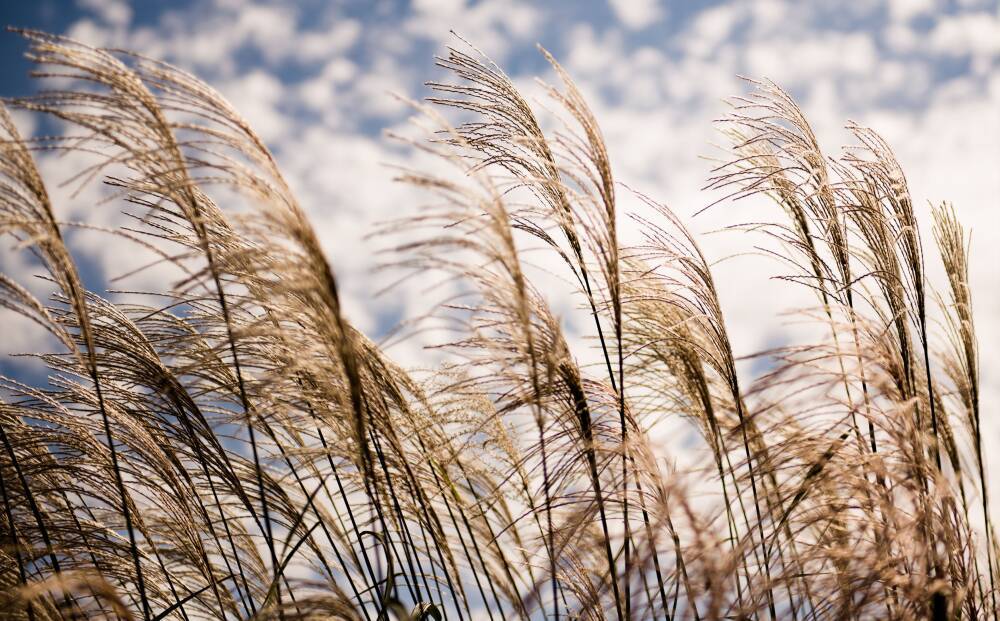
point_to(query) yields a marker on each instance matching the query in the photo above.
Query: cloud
(971, 34)
(637, 14)
(710, 29)
(259, 95)
(442, 8)
(494, 26)
(316, 87)
(817, 56)
(321, 45)
(113, 12)
(904, 10)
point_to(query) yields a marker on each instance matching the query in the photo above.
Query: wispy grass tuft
(232, 447)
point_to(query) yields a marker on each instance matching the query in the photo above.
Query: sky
(316, 79)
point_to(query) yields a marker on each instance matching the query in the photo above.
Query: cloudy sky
(315, 79)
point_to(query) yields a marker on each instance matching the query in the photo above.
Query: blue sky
(315, 79)
(635, 24)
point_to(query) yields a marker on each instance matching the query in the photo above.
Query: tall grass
(237, 449)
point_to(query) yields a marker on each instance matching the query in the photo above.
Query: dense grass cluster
(234, 448)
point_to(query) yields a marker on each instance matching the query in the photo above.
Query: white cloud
(976, 34)
(901, 38)
(637, 14)
(493, 26)
(321, 45)
(587, 54)
(654, 103)
(711, 28)
(768, 14)
(113, 12)
(25, 122)
(817, 56)
(903, 10)
(257, 95)
(439, 7)
(90, 32)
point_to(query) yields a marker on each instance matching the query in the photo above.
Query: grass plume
(236, 448)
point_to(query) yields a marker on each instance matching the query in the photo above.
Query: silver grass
(231, 446)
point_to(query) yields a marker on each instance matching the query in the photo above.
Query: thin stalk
(15, 545)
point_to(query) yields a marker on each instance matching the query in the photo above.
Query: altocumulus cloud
(316, 78)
